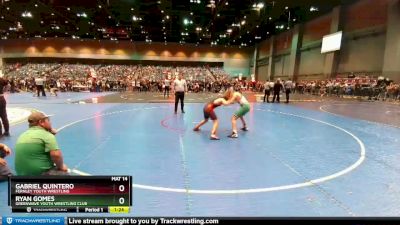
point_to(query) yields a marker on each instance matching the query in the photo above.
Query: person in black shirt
(3, 112)
(277, 89)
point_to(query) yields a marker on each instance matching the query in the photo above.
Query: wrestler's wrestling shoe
(233, 135)
(244, 129)
(214, 137)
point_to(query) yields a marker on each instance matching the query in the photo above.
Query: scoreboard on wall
(76, 194)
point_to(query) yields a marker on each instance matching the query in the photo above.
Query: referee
(180, 88)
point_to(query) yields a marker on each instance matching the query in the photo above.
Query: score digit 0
(121, 188)
(121, 200)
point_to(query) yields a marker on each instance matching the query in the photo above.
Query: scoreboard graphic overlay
(86, 194)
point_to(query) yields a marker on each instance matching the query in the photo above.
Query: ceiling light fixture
(83, 14)
(212, 4)
(27, 14)
(185, 21)
(258, 6)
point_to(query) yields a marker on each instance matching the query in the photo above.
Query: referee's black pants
(40, 88)
(276, 95)
(179, 95)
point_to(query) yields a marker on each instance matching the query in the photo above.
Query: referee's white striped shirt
(180, 85)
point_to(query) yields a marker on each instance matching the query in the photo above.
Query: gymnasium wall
(235, 60)
(364, 25)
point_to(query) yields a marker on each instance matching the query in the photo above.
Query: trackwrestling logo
(33, 220)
